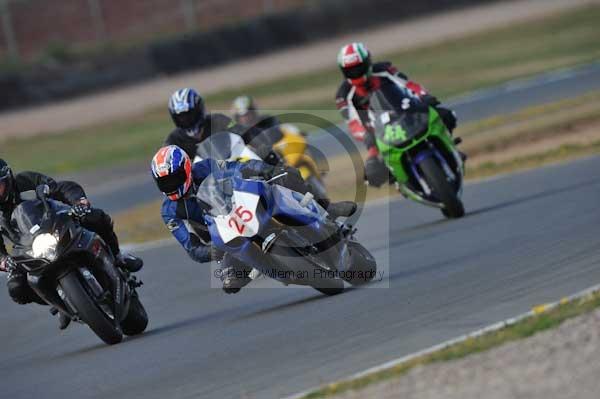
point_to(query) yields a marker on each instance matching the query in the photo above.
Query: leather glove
(81, 209)
(7, 264)
(376, 172)
(206, 253)
(430, 100)
(216, 254)
(266, 172)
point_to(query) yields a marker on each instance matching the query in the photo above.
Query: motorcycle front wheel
(89, 311)
(443, 189)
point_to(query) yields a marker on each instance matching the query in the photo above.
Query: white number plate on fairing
(242, 221)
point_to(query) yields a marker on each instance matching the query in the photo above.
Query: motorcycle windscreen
(28, 219)
(216, 146)
(216, 193)
(397, 115)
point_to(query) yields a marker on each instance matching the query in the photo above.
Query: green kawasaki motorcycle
(417, 148)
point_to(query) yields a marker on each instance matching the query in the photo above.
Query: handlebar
(271, 180)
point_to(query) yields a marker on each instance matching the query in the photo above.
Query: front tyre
(89, 311)
(443, 189)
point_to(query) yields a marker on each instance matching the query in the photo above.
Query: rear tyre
(89, 311)
(330, 287)
(298, 261)
(137, 318)
(443, 189)
(363, 265)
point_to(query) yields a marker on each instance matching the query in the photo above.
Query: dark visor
(187, 120)
(4, 188)
(356, 71)
(170, 184)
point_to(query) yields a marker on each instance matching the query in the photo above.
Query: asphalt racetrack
(527, 238)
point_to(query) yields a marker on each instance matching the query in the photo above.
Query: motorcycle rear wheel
(363, 267)
(334, 287)
(137, 319)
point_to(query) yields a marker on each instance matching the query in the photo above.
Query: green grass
(131, 140)
(563, 153)
(453, 67)
(520, 330)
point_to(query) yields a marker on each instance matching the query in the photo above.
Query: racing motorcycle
(284, 234)
(73, 270)
(417, 148)
(292, 148)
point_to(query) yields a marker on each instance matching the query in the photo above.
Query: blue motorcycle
(285, 235)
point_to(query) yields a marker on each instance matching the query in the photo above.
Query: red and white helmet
(355, 61)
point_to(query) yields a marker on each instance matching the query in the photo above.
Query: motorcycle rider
(193, 125)
(68, 192)
(245, 113)
(352, 100)
(182, 213)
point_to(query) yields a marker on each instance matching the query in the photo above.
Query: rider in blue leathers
(183, 214)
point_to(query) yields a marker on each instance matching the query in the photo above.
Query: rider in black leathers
(68, 192)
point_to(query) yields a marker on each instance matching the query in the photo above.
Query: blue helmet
(187, 110)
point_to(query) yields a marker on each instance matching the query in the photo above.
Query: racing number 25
(244, 215)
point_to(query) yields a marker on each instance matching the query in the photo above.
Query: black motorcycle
(73, 270)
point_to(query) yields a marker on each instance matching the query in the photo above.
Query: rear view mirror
(227, 187)
(28, 195)
(42, 191)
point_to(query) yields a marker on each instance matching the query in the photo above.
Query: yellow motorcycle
(292, 147)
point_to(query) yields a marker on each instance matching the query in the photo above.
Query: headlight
(44, 246)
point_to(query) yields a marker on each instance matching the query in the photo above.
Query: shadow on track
(211, 317)
(289, 305)
(435, 267)
(147, 334)
(83, 351)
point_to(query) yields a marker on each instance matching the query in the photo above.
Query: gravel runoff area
(135, 99)
(560, 363)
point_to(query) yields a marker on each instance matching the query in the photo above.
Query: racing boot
(235, 278)
(63, 321)
(341, 209)
(129, 262)
(463, 156)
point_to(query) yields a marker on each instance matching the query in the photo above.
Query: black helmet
(187, 110)
(7, 182)
(244, 110)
